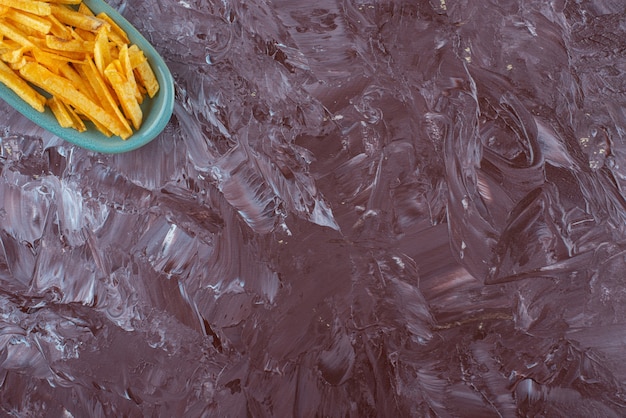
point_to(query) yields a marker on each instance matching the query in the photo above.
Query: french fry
(84, 63)
(15, 56)
(68, 45)
(143, 71)
(128, 73)
(71, 56)
(117, 34)
(76, 36)
(63, 88)
(102, 90)
(38, 8)
(10, 31)
(82, 8)
(105, 131)
(75, 2)
(50, 61)
(58, 28)
(101, 52)
(147, 78)
(28, 31)
(77, 122)
(21, 87)
(8, 46)
(125, 93)
(85, 34)
(60, 112)
(78, 79)
(32, 21)
(76, 19)
(136, 56)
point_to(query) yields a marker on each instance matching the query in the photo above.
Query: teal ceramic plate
(157, 111)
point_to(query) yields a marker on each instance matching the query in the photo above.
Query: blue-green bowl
(157, 111)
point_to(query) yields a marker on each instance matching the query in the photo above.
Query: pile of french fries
(85, 64)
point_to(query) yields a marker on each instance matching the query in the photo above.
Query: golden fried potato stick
(21, 87)
(8, 45)
(144, 72)
(125, 93)
(58, 28)
(101, 51)
(70, 56)
(76, 78)
(10, 31)
(51, 61)
(117, 34)
(102, 90)
(63, 88)
(37, 23)
(76, 19)
(82, 8)
(79, 125)
(38, 8)
(26, 30)
(64, 1)
(73, 45)
(60, 112)
(136, 56)
(127, 71)
(15, 56)
(85, 35)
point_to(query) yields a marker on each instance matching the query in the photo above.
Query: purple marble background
(358, 209)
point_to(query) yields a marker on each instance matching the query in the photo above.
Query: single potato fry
(102, 90)
(15, 56)
(58, 28)
(127, 71)
(21, 87)
(60, 112)
(83, 66)
(85, 34)
(76, 19)
(78, 80)
(117, 34)
(82, 8)
(70, 45)
(10, 31)
(125, 93)
(39, 8)
(32, 21)
(143, 71)
(77, 122)
(101, 52)
(75, 2)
